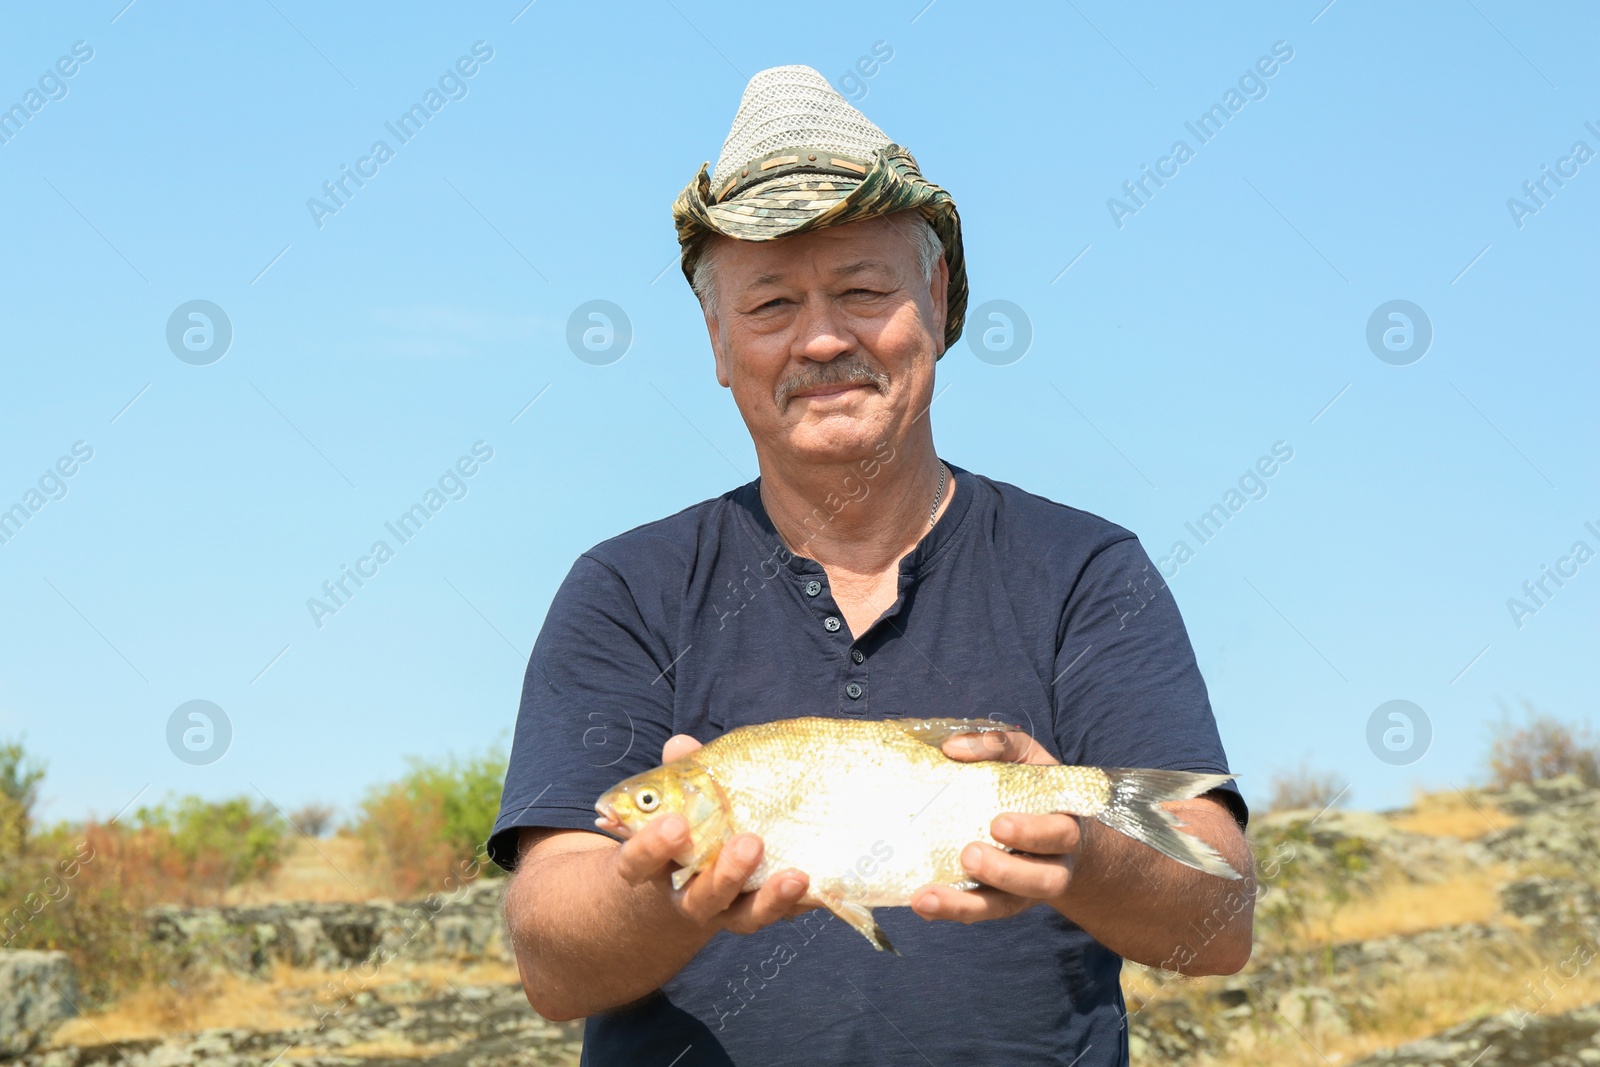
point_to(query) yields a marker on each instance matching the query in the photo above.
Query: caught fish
(873, 811)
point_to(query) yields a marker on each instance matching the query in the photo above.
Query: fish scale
(872, 811)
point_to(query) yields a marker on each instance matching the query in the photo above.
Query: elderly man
(859, 576)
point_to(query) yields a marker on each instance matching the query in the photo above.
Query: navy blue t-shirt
(1013, 607)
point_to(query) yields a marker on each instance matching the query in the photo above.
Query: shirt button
(831, 624)
(813, 587)
(853, 691)
(857, 655)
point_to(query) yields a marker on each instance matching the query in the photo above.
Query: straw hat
(799, 157)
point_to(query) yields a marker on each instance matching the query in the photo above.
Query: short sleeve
(1128, 692)
(596, 708)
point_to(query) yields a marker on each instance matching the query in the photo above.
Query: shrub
(19, 790)
(80, 889)
(86, 892)
(86, 889)
(1540, 746)
(313, 820)
(212, 845)
(1306, 788)
(430, 825)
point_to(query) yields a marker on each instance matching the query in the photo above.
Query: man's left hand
(1046, 846)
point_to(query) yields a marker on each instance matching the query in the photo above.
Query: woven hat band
(791, 161)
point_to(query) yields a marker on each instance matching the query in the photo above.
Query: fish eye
(647, 800)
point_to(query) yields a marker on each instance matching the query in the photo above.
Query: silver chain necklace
(938, 496)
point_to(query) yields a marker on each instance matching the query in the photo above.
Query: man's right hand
(596, 925)
(715, 895)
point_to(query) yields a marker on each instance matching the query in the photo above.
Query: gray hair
(920, 233)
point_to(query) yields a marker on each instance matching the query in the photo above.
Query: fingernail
(745, 851)
(928, 905)
(971, 858)
(1002, 827)
(791, 887)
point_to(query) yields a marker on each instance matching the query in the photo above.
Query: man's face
(828, 339)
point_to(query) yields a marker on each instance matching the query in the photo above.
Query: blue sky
(373, 346)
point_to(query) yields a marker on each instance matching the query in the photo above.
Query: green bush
(19, 790)
(218, 844)
(425, 832)
(82, 889)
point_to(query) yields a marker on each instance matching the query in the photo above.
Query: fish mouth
(608, 818)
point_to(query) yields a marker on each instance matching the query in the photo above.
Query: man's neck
(860, 516)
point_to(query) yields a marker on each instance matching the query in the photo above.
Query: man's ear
(717, 352)
(939, 296)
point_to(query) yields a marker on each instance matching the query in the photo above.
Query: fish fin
(706, 810)
(1135, 809)
(936, 732)
(697, 863)
(859, 916)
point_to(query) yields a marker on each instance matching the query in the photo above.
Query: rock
(1314, 1011)
(467, 1027)
(1543, 901)
(38, 990)
(1560, 832)
(1511, 1039)
(334, 936)
(1316, 850)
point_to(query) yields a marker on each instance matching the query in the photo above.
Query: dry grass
(1414, 1006)
(1404, 1007)
(328, 870)
(1403, 907)
(203, 1003)
(285, 1000)
(393, 1048)
(1452, 815)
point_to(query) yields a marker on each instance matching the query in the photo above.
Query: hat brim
(780, 207)
(800, 202)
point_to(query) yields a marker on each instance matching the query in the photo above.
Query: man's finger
(1013, 746)
(777, 898)
(967, 905)
(643, 855)
(1044, 835)
(709, 893)
(1033, 877)
(677, 747)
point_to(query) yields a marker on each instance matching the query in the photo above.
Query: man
(860, 576)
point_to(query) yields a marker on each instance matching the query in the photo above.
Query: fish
(873, 810)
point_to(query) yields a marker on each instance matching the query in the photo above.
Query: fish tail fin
(1135, 809)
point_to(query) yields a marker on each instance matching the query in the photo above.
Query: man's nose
(820, 331)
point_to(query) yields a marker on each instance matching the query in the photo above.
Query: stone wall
(40, 992)
(465, 925)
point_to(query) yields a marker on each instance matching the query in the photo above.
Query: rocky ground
(466, 1027)
(1517, 975)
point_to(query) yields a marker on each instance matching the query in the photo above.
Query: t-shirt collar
(932, 545)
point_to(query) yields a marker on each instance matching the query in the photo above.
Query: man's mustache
(846, 370)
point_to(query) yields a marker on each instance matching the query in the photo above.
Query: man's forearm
(587, 941)
(1151, 910)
